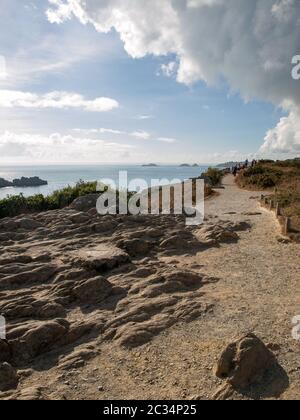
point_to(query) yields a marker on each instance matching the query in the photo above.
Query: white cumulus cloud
(250, 44)
(285, 137)
(58, 100)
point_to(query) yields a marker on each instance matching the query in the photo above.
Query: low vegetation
(18, 204)
(281, 178)
(214, 175)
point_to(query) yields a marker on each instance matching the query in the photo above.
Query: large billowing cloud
(249, 43)
(285, 138)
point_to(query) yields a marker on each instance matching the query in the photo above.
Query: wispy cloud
(139, 134)
(169, 140)
(145, 117)
(99, 131)
(142, 135)
(58, 147)
(58, 100)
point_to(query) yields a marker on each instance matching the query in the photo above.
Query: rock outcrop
(71, 281)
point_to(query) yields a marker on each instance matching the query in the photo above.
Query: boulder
(85, 203)
(8, 377)
(244, 362)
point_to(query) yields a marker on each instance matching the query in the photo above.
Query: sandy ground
(256, 289)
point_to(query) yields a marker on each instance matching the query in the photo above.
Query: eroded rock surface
(70, 278)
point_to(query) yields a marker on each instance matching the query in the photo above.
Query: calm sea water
(60, 176)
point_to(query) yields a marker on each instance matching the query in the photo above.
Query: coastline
(60, 176)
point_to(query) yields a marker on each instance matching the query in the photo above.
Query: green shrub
(18, 204)
(214, 174)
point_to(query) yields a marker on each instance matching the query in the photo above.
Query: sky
(139, 81)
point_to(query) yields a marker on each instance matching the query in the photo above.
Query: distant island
(187, 165)
(23, 182)
(151, 165)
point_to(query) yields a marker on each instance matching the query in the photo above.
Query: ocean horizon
(60, 176)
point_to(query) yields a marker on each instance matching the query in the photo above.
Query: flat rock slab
(102, 257)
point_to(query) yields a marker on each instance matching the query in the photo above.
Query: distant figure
(235, 171)
(246, 163)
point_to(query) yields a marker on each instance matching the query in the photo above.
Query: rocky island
(23, 182)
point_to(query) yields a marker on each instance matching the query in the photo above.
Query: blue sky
(155, 117)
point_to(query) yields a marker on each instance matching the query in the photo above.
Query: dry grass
(282, 179)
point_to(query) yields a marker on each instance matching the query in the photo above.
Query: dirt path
(256, 289)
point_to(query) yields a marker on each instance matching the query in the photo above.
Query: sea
(60, 176)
